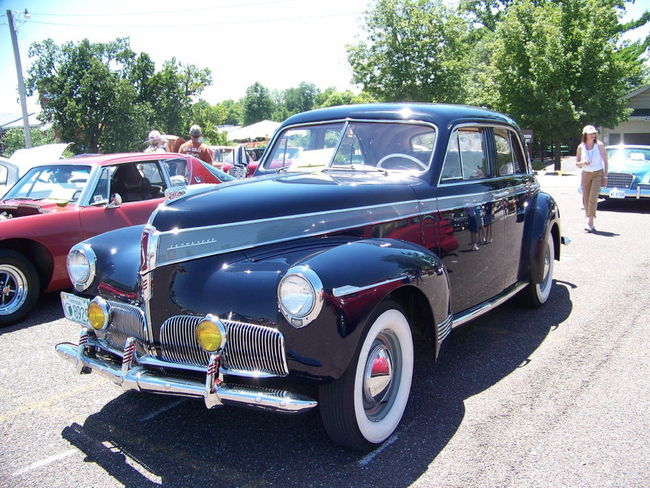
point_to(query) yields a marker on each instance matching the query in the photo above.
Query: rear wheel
(537, 294)
(19, 287)
(363, 408)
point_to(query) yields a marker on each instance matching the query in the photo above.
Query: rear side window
(466, 157)
(509, 159)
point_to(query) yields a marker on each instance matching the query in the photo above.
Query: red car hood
(22, 208)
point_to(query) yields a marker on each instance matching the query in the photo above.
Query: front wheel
(537, 294)
(362, 409)
(19, 287)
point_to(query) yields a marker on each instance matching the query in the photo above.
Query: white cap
(154, 135)
(589, 129)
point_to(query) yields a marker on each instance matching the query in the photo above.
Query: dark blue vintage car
(366, 228)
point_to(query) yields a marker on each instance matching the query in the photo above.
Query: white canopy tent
(258, 130)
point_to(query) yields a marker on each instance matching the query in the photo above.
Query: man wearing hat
(195, 147)
(592, 158)
(155, 142)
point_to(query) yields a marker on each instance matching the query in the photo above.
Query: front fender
(118, 263)
(542, 218)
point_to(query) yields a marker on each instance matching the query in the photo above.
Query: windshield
(52, 182)
(383, 145)
(621, 155)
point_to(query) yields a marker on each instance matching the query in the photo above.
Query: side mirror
(116, 200)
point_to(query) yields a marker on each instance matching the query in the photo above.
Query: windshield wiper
(357, 167)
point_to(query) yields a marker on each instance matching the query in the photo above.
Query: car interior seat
(130, 184)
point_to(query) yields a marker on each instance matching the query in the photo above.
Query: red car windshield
(52, 182)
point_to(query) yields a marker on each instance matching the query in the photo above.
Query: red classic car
(56, 205)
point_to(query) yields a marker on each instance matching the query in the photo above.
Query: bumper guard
(132, 376)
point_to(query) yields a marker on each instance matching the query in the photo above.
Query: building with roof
(636, 129)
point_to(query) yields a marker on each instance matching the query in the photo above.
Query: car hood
(22, 208)
(266, 198)
(640, 169)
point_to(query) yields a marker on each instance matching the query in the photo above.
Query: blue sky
(279, 43)
(276, 42)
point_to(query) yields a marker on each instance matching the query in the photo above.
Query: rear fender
(542, 218)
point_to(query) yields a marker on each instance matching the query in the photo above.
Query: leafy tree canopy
(98, 95)
(415, 51)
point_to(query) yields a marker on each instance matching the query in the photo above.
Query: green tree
(334, 98)
(416, 51)
(557, 66)
(257, 104)
(233, 112)
(301, 98)
(102, 96)
(209, 117)
(14, 139)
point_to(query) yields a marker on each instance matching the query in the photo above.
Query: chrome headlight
(300, 295)
(81, 265)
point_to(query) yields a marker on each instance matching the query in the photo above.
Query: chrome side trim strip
(182, 245)
(342, 291)
(485, 307)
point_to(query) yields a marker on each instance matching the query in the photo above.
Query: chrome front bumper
(636, 193)
(133, 376)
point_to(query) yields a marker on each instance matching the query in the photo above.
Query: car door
(518, 187)
(139, 201)
(470, 218)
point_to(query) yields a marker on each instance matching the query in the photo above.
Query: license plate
(75, 308)
(616, 193)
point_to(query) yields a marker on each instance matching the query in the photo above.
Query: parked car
(306, 288)
(628, 173)
(54, 206)
(238, 161)
(23, 159)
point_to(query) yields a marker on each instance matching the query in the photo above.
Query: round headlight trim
(211, 334)
(99, 313)
(300, 295)
(81, 264)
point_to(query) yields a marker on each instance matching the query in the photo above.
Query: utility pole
(21, 83)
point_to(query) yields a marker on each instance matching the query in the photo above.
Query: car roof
(108, 159)
(439, 114)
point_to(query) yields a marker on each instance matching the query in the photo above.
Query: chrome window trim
(346, 121)
(489, 178)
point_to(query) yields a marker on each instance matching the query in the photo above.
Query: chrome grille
(619, 180)
(251, 350)
(126, 321)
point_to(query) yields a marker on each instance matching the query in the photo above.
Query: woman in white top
(592, 158)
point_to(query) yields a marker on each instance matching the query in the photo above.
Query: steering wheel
(408, 157)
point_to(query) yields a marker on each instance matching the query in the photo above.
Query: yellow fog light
(211, 334)
(98, 313)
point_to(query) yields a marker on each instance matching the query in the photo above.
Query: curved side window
(509, 160)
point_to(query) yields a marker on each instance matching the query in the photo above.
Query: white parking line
(45, 462)
(161, 410)
(369, 457)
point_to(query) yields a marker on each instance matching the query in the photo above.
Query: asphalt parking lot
(553, 397)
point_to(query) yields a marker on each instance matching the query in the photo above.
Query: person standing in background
(592, 158)
(155, 143)
(195, 147)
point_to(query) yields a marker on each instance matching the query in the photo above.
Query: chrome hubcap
(382, 367)
(13, 286)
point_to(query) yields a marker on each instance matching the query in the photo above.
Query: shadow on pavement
(144, 440)
(47, 309)
(625, 206)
